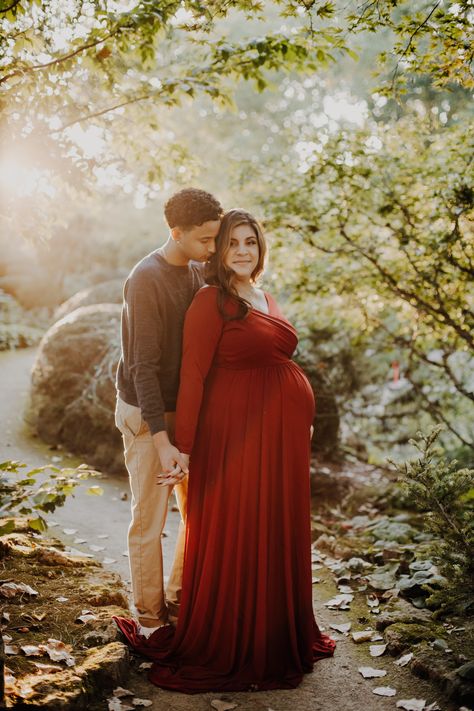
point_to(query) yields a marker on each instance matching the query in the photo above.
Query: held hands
(174, 465)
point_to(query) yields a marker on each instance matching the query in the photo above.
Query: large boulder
(73, 391)
(108, 292)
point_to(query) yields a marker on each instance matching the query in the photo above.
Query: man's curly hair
(192, 207)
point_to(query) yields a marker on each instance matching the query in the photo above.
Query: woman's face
(243, 252)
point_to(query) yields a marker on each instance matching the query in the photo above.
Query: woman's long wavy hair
(224, 278)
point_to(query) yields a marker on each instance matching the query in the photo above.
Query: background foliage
(346, 127)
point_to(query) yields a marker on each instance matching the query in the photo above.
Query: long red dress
(244, 414)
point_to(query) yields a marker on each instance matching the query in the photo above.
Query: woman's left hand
(311, 432)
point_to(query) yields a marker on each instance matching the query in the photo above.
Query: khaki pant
(149, 509)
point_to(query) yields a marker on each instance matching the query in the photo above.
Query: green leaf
(37, 524)
(95, 491)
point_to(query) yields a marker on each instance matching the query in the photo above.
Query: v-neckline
(259, 311)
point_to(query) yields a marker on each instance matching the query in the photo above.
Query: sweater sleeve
(145, 346)
(202, 330)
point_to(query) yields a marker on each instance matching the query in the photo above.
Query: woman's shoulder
(205, 298)
(207, 293)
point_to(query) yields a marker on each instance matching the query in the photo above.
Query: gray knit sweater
(156, 298)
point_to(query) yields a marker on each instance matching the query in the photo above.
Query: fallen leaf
(340, 602)
(6, 616)
(47, 668)
(7, 637)
(141, 702)
(12, 589)
(145, 665)
(403, 661)
(108, 561)
(96, 549)
(86, 616)
(370, 673)
(103, 535)
(220, 705)
(376, 637)
(38, 615)
(343, 627)
(362, 636)
(411, 704)
(58, 651)
(10, 683)
(384, 691)
(121, 693)
(31, 650)
(316, 580)
(69, 531)
(12, 649)
(372, 600)
(114, 704)
(434, 707)
(80, 540)
(62, 599)
(376, 650)
(25, 690)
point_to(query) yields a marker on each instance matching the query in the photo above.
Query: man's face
(199, 242)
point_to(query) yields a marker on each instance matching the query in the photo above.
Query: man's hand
(174, 464)
(174, 477)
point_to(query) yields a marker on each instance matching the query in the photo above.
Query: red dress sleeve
(202, 330)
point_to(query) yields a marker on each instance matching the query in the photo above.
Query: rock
(102, 670)
(384, 578)
(466, 671)
(109, 292)
(386, 530)
(73, 385)
(440, 645)
(401, 611)
(400, 636)
(100, 595)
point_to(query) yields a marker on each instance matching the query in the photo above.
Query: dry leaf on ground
(220, 705)
(340, 602)
(47, 668)
(58, 651)
(31, 650)
(344, 627)
(120, 692)
(411, 704)
(115, 704)
(12, 589)
(403, 661)
(86, 616)
(12, 649)
(376, 650)
(384, 691)
(370, 673)
(362, 636)
(141, 702)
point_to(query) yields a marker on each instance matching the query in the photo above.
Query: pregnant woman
(244, 416)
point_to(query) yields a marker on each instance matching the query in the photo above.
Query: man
(157, 294)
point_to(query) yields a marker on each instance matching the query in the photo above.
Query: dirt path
(335, 684)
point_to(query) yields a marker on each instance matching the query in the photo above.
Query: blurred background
(345, 127)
